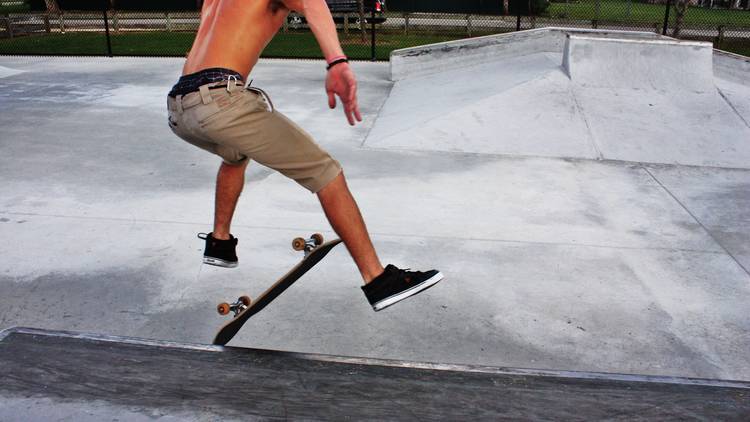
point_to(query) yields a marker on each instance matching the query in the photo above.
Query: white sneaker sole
(219, 262)
(379, 306)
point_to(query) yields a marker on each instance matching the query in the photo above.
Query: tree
(52, 6)
(680, 8)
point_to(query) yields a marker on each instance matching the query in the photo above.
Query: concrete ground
(552, 260)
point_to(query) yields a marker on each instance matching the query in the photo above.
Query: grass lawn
(627, 11)
(737, 47)
(291, 44)
(302, 45)
(14, 9)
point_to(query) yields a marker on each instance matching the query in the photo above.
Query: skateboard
(314, 248)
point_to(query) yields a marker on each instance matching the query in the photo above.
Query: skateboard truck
(240, 305)
(243, 302)
(307, 245)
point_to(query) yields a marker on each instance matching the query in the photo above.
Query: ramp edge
(582, 375)
(703, 44)
(432, 58)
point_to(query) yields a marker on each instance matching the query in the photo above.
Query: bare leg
(229, 184)
(343, 214)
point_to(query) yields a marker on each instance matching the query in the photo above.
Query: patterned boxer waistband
(192, 82)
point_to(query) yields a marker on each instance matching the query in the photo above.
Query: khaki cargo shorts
(238, 124)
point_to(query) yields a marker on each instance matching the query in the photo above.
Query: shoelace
(408, 270)
(407, 278)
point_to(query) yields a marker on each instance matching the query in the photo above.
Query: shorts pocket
(221, 103)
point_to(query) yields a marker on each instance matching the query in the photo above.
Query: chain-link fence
(368, 29)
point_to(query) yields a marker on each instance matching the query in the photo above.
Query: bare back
(233, 33)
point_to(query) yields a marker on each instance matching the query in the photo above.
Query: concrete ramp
(633, 97)
(655, 101)
(519, 105)
(48, 375)
(622, 63)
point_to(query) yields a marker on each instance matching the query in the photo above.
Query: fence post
(468, 25)
(105, 6)
(666, 18)
(598, 12)
(372, 31)
(406, 23)
(169, 21)
(720, 37)
(47, 26)
(346, 23)
(518, 21)
(8, 25)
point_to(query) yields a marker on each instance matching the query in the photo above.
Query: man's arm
(340, 79)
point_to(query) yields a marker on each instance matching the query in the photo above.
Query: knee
(336, 185)
(234, 166)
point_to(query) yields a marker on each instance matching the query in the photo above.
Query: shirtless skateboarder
(211, 108)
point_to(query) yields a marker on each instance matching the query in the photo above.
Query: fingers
(345, 87)
(351, 109)
(331, 99)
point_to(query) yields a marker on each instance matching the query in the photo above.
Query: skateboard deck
(244, 307)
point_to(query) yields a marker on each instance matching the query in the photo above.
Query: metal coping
(581, 375)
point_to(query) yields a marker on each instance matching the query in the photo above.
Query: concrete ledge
(480, 369)
(111, 374)
(439, 57)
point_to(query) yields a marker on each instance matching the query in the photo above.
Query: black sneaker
(395, 285)
(219, 252)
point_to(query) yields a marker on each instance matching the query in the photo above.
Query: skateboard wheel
(298, 244)
(317, 238)
(246, 300)
(223, 308)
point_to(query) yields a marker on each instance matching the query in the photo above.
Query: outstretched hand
(340, 81)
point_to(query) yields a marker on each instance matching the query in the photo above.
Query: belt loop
(231, 83)
(178, 104)
(205, 95)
